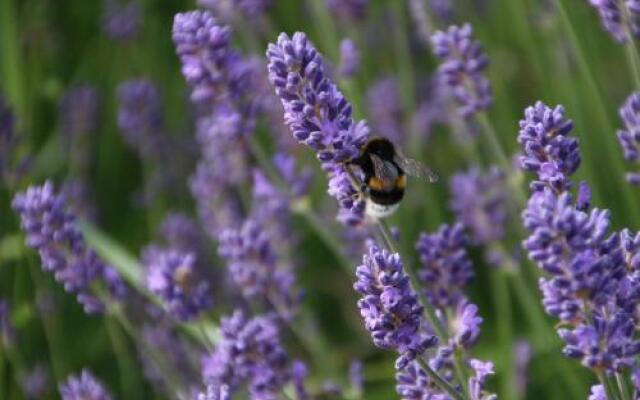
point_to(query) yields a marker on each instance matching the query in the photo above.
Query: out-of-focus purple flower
(249, 352)
(348, 9)
(140, 116)
(522, 353)
(299, 374)
(172, 277)
(607, 343)
(597, 393)
(122, 21)
(181, 233)
(7, 331)
(217, 74)
(78, 110)
(356, 375)
(548, 150)
(482, 370)
(318, 115)
(629, 137)
(219, 204)
(420, 20)
(256, 269)
(465, 325)
(384, 108)
(83, 387)
(621, 19)
(445, 266)
(298, 181)
(442, 9)
(390, 307)
(228, 8)
(215, 392)
(51, 229)
(349, 58)
(463, 62)
(479, 201)
(35, 382)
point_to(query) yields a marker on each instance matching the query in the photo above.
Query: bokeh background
(554, 51)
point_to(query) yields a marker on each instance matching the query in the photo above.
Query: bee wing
(416, 168)
(384, 169)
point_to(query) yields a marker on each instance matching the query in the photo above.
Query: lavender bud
(83, 387)
(463, 62)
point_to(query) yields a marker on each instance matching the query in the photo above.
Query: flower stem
(442, 384)
(622, 387)
(502, 306)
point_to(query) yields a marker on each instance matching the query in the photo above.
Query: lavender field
(319, 199)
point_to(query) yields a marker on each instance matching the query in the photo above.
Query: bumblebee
(385, 172)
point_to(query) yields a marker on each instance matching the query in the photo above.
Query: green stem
(504, 335)
(633, 62)
(130, 384)
(622, 387)
(437, 379)
(607, 386)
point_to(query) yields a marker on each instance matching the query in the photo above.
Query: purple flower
(51, 230)
(463, 62)
(569, 245)
(140, 116)
(256, 269)
(482, 370)
(218, 202)
(227, 8)
(249, 352)
(217, 74)
(122, 21)
(172, 277)
(548, 150)
(479, 201)
(215, 392)
(356, 375)
(35, 382)
(349, 58)
(298, 181)
(318, 115)
(606, 343)
(465, 325)
(445, 266)
(621, 19)
(522, 357)
(597, 393)
(7, 330)
(181, 233)
(78, 110)
(385, 110)
(348, 9)
(83, 387)
(630, 136)
(390, 307)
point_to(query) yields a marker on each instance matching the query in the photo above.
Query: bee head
(382, 147)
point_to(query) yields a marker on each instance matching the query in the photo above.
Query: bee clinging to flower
(385, 172)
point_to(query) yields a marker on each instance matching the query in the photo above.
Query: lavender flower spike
(390, 307)
(548, 150)
(50, 229)
(479, 201)
(318, 115)
(446, 267)
(349, 58)
(463, 62)
(629, 137)
(171, 276)
(620, 18)
(83, 387)
(249, 352)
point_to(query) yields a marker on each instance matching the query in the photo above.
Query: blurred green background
(538, 50)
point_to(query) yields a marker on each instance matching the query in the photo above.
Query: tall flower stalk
(590, 277)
